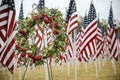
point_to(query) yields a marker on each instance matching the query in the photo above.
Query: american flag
(7, 33)
(118, 46)
(39, 36)
(85, 21)
(88, 42)
(41, 3)
(72, 17)
(39, 31)
(78, 42)
(72, 24)
(110, 22)
(21, 14)
(80, 37)
(49, 36)
(63, 58)
(99, 41)
(92, 13)
(112, 36)
(70, 48)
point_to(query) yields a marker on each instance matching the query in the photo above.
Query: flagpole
(68, 63)
(75, 55)
(96, 61)
(99, 62)
(19, 73)
(10, 75)
(114, 66)
(47, 75)
(96, 65)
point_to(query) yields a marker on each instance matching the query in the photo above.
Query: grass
(61, 73)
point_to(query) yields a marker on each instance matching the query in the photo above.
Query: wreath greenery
(49, 19)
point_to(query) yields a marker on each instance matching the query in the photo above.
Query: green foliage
(25, 38)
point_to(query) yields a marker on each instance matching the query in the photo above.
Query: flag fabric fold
(72, 17)
(41, 3)
(7, 31)
(21, 14)
(88, 48)
(111, 36)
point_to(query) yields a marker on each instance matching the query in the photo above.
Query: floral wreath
(26, 48)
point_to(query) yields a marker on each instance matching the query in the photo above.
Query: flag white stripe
(4, 32)
(9, 54)
(8, 42)
(4, 7)
(87, 50)
(87, 40)
(4, 15)
(91, 48)
(2, 23)
(10, 19)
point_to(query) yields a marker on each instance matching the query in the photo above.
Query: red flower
(44, 15)
(19, 61)
(51, 18)
(46, 20)
(24, 49)
(55, 32)
(35, 17)
(23, 54)
(22, 31)
(41, 17)
(38, 57)
(50, 26)
(17, 46)
(56, 25)
(30, 54)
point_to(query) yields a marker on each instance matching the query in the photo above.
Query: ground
(105, 72)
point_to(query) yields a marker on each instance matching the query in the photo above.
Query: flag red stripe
(85, 32)
(3, 19)
(89, 36)
(10, 29)
(4, 10)
(2, 36)
(7, 50)
(10, 58)
(72, 29)
(74, 16)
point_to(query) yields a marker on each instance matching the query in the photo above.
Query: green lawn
(59, 73)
